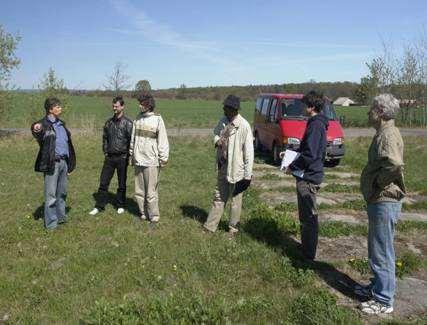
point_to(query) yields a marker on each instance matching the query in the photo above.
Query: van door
(262, 130)
(272, 126)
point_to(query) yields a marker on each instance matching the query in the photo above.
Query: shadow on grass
(193, 212)
(131, 205)
(39, 212)
(199, 214)
(267, 231)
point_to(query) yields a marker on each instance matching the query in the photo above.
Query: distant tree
(8, 59)
(118, 79)
(8, 62)
(182, 92)
(49, 85)
(143, 86)
(410, 76)
(365, 91)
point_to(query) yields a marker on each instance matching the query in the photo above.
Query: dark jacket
(313, 150)
(46, 139)
(117, 135)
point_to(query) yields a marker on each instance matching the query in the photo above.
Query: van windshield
(293, 109)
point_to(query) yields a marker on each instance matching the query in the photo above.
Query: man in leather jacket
(115, 145)
(56, 159)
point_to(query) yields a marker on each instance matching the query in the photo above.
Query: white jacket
(149, 145)
(240, 159)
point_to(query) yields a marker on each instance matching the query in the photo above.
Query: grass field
(115, 269)
(93, 111)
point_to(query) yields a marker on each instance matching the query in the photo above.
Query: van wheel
(332, 163)
(276, 153)
(257, 143)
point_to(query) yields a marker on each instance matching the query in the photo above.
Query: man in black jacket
(56, 159)
(115, 144)
(308, 171)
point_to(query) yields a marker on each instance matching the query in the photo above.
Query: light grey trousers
(146, 190)
(224, 192)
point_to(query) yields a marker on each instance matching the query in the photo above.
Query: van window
(258, 104)
(292, 108)
(265, 106)
(273, 110)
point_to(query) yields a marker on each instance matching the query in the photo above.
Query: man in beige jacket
(234, 160)
(149, 150)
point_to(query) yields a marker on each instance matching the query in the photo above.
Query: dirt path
(411, 295)
(197, 132)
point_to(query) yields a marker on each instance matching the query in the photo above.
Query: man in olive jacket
(383, 189)
(56, 159)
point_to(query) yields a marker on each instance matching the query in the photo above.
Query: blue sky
(205, 43)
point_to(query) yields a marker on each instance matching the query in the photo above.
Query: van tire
(257, 143)
(276, 153)
(332, 163)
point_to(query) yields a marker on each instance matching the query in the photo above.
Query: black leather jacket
(46, 138)
(116, 136)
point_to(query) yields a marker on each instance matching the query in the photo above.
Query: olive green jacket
(382, 177)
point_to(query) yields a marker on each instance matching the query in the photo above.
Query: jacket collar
(237, 120)
(385, 124)
(47, 119)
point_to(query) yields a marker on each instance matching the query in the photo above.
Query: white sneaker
(94, 211)
(155, 219)
(120, 210)
(373, 307)
(143, 217)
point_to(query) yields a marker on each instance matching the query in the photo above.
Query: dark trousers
(307, 212)
(112, 163)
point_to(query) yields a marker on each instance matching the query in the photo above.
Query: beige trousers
(223, 193)
(146, 190)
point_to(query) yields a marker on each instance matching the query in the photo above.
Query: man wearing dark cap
(149, 150)
(115, 145)
(233, 141)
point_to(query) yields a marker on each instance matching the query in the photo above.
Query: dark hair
(50, 103)
(147, 98)
(314, 99)
(232, 102)
(119, 99)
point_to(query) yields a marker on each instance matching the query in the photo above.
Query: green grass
(406, 264)
(343, 188)
(87, 111)
(116, 269)
(415, 156)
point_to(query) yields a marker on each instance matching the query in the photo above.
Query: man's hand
(162, 163)
(37, 127)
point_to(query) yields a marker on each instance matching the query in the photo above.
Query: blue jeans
(55, 193)
(382, 221)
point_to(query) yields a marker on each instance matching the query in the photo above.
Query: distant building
(343, 101)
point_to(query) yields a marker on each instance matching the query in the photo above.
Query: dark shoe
(61, 221)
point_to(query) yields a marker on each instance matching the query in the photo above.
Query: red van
(280, 122)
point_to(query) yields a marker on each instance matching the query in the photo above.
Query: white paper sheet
(288, 157)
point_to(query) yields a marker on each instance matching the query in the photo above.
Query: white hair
(387, 104)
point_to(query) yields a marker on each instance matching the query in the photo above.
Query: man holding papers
(307, 167)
